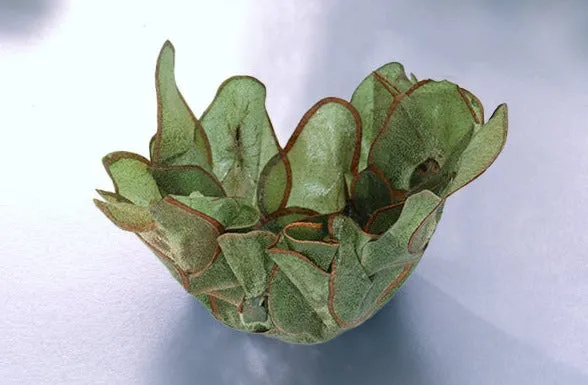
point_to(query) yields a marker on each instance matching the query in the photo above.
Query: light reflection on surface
(500, 296)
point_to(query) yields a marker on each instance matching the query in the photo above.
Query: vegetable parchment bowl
(305, 242)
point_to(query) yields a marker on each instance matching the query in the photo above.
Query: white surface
(501, 296)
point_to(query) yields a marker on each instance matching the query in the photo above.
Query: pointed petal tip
(168, 45)
(100, 204)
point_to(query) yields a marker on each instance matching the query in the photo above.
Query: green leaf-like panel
(323, 151)
(180, 138)
(240, 134)
(131, 177)
(373, 98)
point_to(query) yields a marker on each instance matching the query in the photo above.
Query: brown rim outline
(403, 274)
(283, 212)
(240, 306)
(391, 110)
(269, 303)
(298, 255)
(219, 227)
(467, 103)
(197, 126)
(189, 166)
(375, 170)
(372, 217)
(103, 206)
(331, 297)
(387, 84)
(332, 231)
(210, 290)
(421, 224)
(273, 162)
(198, 273)
(224, 298)
(304, 241)
(468, 95)
(370, 311)
(162, 255)
(213, 307)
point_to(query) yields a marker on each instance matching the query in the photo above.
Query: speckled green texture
(304, 242)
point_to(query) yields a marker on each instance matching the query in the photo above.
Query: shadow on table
(22, 18)
(421, 337)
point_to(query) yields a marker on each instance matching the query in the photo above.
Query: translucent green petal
(240, 133)
(232, 213)
(278, 220)
(188, 235)
(131, 177)
(426, 126)
(370, 191)
(323, 150)
(373, 98)
(310, 280)
(217, 277)
(180, 138)
(274, 185)
(245, 254)
(308, 239)
(290, 312)
(394, 247)
(383, 218)
(349, 282)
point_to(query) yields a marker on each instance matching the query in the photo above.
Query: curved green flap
(392, 248)
(186, 179)
(127, 216)
(372, 100)
(241, 135)
(180, 138)
(246, 255)
(423, 130)
(189, 234)
(323, 153)
(232, 213)
(131, 177)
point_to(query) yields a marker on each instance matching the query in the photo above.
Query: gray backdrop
(501, 296)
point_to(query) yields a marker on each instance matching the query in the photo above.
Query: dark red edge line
(304, 241)
(387, 84)
(286, 211)
(298, 255)
(219, 227)
(401, 276)
(372, 217)
(468, 104)
(391, 111)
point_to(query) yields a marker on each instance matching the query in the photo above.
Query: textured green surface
(305, 242)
